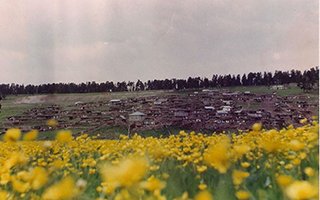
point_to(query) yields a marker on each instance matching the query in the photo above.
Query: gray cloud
(81, 40)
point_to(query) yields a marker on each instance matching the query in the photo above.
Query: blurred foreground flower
(218, 155)
(203, 195)
(64, 136)
(52, 123)
(242, 195)
(128, 172)
(12, 135)
(256, 127)
(301, 190)
(31, 135)
(65, 189)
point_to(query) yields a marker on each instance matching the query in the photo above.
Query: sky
(45, 41)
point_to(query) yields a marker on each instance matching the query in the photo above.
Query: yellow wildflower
(153, 184)
(123, 195)
(4, 195)
(4, 178)
(127, 173)
(203, 195)
(257, 126)
(302, 155)
(296, 145)
(245, 164)
(242, 195)
(12, 135)
(296, 161)
(165, 175)
(284, 180)
(64, 136)
(31, 135)
(16, 158)
(52, 122)
(20, 186)
(24, 176)
(202, 186)
(218, 156)
(309, 171)
(240, 150)
(201, 169)
(303, 121)
(39, 178)
(301, 190)
(238, 176)
(65, 189)
(288, 166)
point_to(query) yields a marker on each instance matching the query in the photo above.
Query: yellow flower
(203, 195)
(5, 178)
(20, 186)
(52, 122)
(58, 164)
(16, 158)
(302, 155)
(12, 135)
(270, 141)
(218, 156)
(153, 184)
(303, 121)
(4, 195)
(165, 175)
(123, 195)
(284, 180)
(24, 176)
(296, 145)
(288, 166)
(65, 189)
(108, 188)
(242, 195)
(240, 150)
(184, 196)
(64, 136)
(301, 190)
(39, 178)
(201, 169)
(128, 172)
(99, 189)
(202, 186)
(296, 161)
(309, 171)
(31, 135)
(257, 126)
(238, 176)
(245, 164)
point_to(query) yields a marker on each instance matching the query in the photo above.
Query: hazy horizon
(52, 41)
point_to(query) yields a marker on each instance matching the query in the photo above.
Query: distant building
(136, 117)
(209, 107)
(159, 101)
(78, 103)
(277, 87)
(115, 101)
(180, 114)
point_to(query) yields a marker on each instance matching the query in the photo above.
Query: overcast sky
(45, 41)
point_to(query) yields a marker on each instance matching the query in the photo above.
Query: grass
(289, 91)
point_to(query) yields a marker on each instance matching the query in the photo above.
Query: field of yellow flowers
(257, 164)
